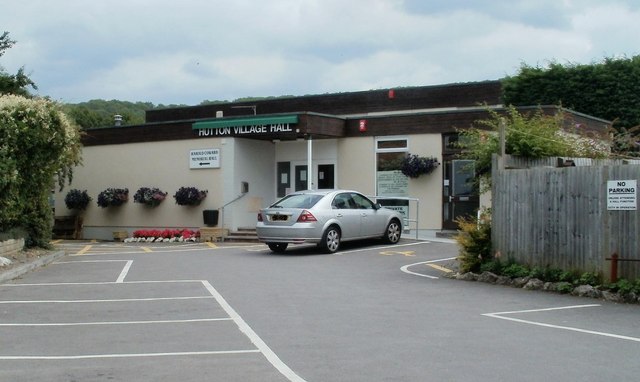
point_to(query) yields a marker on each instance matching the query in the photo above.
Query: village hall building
(249, 154)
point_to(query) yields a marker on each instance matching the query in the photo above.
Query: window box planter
(189, 196)
(113, 197)
(151, 197)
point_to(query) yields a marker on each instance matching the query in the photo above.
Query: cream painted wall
(159, 164)
(357, 164)
(357, 167)
(324, 151)
(428, 188)
(166, 165)
(254, 162)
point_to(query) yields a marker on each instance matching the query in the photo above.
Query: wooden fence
(558, 217)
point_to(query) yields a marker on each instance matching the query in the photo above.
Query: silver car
(327, 218)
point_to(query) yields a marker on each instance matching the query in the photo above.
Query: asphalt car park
(369, 312)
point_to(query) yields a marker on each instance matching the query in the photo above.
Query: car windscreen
(297, 201)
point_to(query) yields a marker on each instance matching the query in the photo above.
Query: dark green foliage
(189, 196)
(77, 200)
(609, 89)
(37, 141)
(564, 287)
(113, 197)
(149, 196)
(18, 83)
(515, 270)
(589, 278)
(100, 113)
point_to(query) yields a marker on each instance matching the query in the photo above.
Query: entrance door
(460, 193)
(301, 178)
(283, 178)
(326, 176)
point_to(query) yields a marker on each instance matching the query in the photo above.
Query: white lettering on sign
(622, 195)
(246, 130)
(204, 158)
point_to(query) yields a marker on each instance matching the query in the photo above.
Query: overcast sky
(187, 51)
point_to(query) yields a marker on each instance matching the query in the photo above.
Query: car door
(348, 216)
(370, 222)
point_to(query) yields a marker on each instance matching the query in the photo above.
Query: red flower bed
(166, 233)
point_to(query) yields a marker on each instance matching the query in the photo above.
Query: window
(389, 155)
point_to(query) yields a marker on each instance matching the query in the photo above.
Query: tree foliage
(18, 83)
(533, 135)
(101, 113)
(37, 142)
(609, 89)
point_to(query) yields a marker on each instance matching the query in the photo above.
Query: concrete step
(243, 235)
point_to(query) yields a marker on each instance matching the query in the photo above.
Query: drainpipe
(310, 163)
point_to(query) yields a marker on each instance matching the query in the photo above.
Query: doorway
(459, 192)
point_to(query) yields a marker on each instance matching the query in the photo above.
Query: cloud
(185, 52)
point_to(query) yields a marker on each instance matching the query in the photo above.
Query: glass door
(460, 192)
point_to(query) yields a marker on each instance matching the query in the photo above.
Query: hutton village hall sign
(247, 126)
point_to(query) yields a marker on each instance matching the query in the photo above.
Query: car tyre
(393, 232)
(330, 240)
(278, 247)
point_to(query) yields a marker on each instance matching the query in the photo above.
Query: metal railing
(407, 221)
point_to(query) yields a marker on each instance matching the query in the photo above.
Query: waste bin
(210, 217)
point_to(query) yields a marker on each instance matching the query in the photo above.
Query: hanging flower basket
(189, 196)
(113, 197)
(413, 165)
(77, 200)
(149, 196)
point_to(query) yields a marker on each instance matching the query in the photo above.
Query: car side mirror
(377, 206)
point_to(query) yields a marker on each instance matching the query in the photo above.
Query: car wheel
(278, 247)
(393, 232)
(330, 240)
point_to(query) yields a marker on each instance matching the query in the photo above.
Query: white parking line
(261, 346)
(106, 300)
(385, 247)
(501, 315)
(122, 322)
(124, 272)
(133, 355)
(255, 339)
(405, 269)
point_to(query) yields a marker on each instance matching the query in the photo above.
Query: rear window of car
(298, 201)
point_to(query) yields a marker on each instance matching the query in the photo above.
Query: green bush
(474, 241)
(516, 270)
(33, 131)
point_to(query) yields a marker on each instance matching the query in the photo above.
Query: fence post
(614, 267)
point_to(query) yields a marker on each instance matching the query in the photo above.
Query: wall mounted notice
(204, 158)
(622, 195)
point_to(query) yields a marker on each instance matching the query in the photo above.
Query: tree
(532, 135)
(37, 143)
(609, 89)
(17, 83)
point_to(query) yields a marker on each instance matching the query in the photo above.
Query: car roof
(321, 192)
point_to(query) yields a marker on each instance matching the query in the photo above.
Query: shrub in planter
(113, 197)
(189, 196)
(77, 200)
(149, 196)
(413, 165)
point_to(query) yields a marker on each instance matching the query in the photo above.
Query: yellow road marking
(405, 253)
(212, 245)
(146, 249)
(84, 250)
(440, 268)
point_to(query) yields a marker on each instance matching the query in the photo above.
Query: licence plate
(279, 218)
